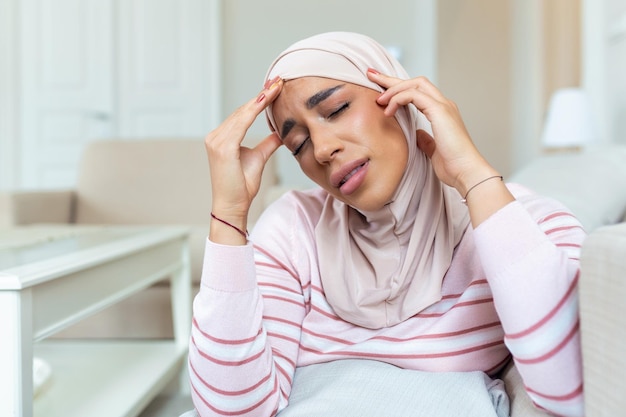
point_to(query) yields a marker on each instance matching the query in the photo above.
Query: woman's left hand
(455, 158)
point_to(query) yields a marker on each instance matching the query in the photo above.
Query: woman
(413, 251)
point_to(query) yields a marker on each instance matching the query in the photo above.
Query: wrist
(228, 228)
(478, 184)
(472, 176)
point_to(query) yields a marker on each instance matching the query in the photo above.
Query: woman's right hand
(236, 170)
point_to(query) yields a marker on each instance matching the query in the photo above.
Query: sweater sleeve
(247, 319)
(530, 253)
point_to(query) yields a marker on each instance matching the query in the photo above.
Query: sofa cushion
(153, 182)
(591, 183)
(149, 182)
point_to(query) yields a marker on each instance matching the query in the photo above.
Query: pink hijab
(379, 268)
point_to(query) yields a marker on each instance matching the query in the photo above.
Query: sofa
(134, 182)
(592, 184)
(167, 182)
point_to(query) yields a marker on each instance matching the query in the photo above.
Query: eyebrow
(313, 101)
(317, 98)
(287, 126)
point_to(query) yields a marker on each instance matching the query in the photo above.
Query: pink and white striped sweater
(511, 289)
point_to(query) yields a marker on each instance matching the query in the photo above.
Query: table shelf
(104, 378)
(65, 275)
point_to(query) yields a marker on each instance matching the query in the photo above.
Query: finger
(422, 101)
(268, 146)
(237, 124)
(383, 80)
(254, 162)
(425, 85)
(396, 86)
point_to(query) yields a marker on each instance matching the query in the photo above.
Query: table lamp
(569, 124)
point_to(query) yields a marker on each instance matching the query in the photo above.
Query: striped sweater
(511, 290)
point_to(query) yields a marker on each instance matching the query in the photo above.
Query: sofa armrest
(27, 207)
(603, 320)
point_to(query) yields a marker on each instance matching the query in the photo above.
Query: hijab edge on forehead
(385, 269)
(343, 56)
(316, 62)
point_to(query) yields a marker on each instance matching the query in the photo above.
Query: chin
(365, 204)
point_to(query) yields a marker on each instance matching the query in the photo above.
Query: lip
(337, 177)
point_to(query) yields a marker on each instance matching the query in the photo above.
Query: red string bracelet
(244, 234)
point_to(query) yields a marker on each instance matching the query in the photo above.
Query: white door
(112, 68)
(66, 85)
(162, 71)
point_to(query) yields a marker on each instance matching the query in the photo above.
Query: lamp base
(562, 149)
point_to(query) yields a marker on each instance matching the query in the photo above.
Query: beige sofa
(592, 183)
(166, 182)
(156, 181)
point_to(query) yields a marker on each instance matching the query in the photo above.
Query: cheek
(313, 171)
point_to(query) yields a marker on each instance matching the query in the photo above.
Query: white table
(52, 277)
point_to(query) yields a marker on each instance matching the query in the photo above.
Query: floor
(174, 401)
(172, 405)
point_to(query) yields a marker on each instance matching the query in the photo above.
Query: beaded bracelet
(464, 199)
(244, 234)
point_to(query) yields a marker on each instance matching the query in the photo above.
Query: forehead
(306, 86)
(296, 94)
(307, 92)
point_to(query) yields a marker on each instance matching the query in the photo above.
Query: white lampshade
(569, 122)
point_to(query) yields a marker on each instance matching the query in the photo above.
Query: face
(342, 140)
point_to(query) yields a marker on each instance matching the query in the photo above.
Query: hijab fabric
(379, 268)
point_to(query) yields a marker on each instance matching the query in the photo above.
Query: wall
(475, 71)
(562, 55)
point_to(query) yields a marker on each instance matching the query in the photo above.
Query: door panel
(162, 81)
(66, 94)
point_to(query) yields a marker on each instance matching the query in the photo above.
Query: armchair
(135, 182)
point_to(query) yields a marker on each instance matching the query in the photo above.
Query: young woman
(412, 252)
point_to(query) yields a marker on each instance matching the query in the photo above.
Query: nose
(326, 145)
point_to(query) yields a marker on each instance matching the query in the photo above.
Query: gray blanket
(363, 388)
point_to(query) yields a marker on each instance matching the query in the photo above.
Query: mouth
(348, 177)
(350, 174)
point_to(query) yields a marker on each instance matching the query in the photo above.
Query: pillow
(364, 388)
(590, 183)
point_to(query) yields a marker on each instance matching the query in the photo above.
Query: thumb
(426, 143)
(268, 146)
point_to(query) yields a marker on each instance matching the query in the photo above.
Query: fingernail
(373, 71)
(268, 83)
(260, 98)
(275, 84)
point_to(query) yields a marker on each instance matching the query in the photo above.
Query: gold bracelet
(464, 199)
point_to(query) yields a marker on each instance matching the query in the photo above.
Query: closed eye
(299, 148)
(339, 110)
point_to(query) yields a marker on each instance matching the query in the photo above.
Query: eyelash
(299, 148)
(343, 107)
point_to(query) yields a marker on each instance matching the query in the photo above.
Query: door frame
(9, 103)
